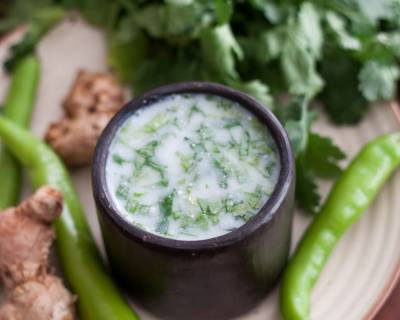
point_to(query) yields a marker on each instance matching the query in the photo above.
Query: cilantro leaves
(341, 97)
(378, 80)
(344, 53)
(322, 156)
(219, 51)
(318, 160)
(316, 156)
(41, 21)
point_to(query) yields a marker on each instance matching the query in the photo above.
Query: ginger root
(93, 100)
(44, 298)
(26, 235)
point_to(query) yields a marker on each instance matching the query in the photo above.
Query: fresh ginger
(26, 235)
(43, 298)
(93, 100)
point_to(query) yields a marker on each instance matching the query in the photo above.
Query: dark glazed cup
(217, 278)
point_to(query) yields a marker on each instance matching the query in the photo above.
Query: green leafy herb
(195, 109)
(118, 159)
(220, 50)
(344, 53)
(134, 206)
(127, 49)
(378, 80)
(146, 158)
(123, 190)
(223, 10)
(239, 208)
(224, 172)
(166, 209)
(341, 96)
(253, 199)
(41, 22)
(316, 156)
(307, 194)
(232, 123)
(244, 146)
(322, 156)
(337, 27)
(210, 209)
(186, 161)
(298, 125)
(156, 123)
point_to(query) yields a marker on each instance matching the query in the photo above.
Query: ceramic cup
(217, 278)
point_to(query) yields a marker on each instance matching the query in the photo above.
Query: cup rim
(263, 216)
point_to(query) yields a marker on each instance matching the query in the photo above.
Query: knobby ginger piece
(93, 93)
(93, 100)
(63, 135)
(43, 298)
(26, 235)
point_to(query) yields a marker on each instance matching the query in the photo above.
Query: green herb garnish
(146, 158)
(166, 209)
(156, 123)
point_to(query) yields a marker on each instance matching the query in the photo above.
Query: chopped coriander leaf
(269, 167)
(122, 190)
(244, 146)
(118, 159)
(254, 198)
(175, 122)
(254, 161)
(224, 172)
(166, 210)
(156, 123)
(210, 97)
(231, 123)
(134, 206)
(131, 205)
(204, 132)
(186, 222)
(138, 163)
(198, 147)
(147, 153)
(195, 109)
(157, 167)
(261, 147)
(210, 209)
(186, 161)
(149, 149)
(224, 104)
(237, 207)
(202, 221)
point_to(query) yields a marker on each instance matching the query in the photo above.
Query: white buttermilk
(191, 167)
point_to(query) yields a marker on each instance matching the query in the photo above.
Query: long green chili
(98, 296)
(18, 108)
(354, 191)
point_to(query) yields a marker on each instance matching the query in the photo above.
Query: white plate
(365, 265)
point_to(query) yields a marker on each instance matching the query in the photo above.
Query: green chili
(18, 108)
(98, 296)
(354, 191)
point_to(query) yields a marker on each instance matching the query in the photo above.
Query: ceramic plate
(363, 268)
